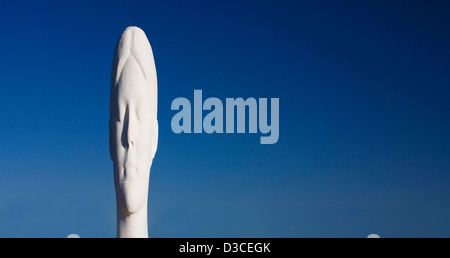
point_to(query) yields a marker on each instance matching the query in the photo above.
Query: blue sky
(364, 118)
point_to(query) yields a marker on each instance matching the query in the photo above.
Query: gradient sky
(364, 142)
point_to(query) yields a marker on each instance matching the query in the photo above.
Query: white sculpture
(133, 129)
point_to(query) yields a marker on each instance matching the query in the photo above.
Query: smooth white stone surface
(133, 129)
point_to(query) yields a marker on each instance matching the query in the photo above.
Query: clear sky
(364, 118)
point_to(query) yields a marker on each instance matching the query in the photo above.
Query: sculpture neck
(133, 225)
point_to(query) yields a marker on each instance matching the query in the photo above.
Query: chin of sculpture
(132, 194)
(133, 129)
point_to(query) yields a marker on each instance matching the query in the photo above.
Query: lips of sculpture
(132, 186)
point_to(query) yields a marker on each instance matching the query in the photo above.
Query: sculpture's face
(133, 123)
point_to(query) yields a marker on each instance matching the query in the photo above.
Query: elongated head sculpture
(133, 129)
